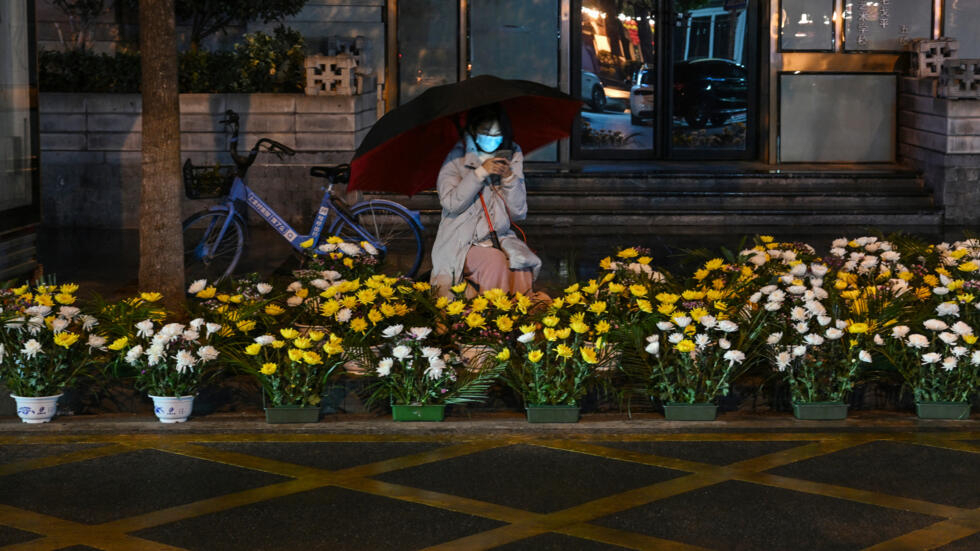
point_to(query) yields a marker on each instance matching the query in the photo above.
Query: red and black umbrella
(405, 149)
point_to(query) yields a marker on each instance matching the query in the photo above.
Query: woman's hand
(498, 166)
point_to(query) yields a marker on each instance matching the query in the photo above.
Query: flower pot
(418, 413)
(701, 411)
(943, 410)
(820, 411)
(36, 409)
(292, 414)
(172, 409)
(552, 414)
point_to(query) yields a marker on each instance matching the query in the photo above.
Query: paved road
(455, 487)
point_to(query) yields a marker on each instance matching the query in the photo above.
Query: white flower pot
(172, 409)
(36, 409)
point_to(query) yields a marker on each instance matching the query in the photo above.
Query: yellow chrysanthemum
(375, 316)
(307, 244)
(550, 334)
(253, 349)
(598, 307)
(475, 321)
(68, 288)
(503, 355)
(589, 355)
(527, 328)
(245, 325)
(644, 305)
(605, 263)
(65, 339)
(367, 296)
(667, 298)
(573, 298)
(666, 309)
(969, 339)
(455, 307)
(931, 280)
(65, 298)
(714, 264)
(602, 327)
(358, 324)
(579, 327)
(277, 344)
(628, 253)
(505, 323)
(644, 260)
(274, 310)
(268, 368)
(692, 295)
(459, 287)
(969, 266)
(44, 300)
(312, 358)
(288, 333)
(295, 354)
(119, 343)
(765, 238)
(685, 346)
(550, 321)
(857, 328)
(638, 290)
(563, 351)
(697, 313)
(206, 293)
(616, 288)
(223, 297)
(479, 304)
(535, 356)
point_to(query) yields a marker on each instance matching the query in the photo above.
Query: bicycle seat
(336, 174)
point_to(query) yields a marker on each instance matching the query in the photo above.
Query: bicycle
(214, 239)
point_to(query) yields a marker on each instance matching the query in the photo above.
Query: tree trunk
(647, 51)
(161, 243)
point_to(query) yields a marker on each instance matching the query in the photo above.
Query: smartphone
(505, 154)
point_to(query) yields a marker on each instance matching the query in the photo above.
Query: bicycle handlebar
(244, 161)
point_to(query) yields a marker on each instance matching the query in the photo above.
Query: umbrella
(405, 149)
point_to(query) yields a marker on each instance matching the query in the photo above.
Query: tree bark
(647, 51)
(161, 243)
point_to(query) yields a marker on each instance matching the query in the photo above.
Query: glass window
(428, 32)
(16, 176)
(710, 96)
(617, 80)
(885, 25)
(961, 20)
(837, 118)
(806, 25)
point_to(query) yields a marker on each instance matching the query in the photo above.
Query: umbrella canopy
(405, 149)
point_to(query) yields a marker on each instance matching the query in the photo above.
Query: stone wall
(941, 138)
(90, 150)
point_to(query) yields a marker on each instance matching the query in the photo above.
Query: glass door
(665, 79)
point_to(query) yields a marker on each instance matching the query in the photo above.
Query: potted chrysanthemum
(47, 343)
(419, 378)
(941, 364)
(293, 369)
(171, 362)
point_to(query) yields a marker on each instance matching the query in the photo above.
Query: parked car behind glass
(709, 91)
(592, 91)
(641, 96)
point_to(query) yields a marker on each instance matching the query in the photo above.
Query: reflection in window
(885, 25)
(806, 25)
(15, 108)
(961, 19)
(710, 83)
(427, 53)
(618, 52)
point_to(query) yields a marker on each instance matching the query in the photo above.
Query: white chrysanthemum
(294, 301)
(796, 289)
(68, 312)
(327, 248)
(88, 322)
(935, 325)
(824, 321)
(961, 328)
(294, 286)
(133, 355)
(975, 358)
(777, 296)
(320, 284)
(196, 324)
(941, 291)
(959, 351)
(734, 357)
(947, 337)
(344, 315)
(401, 352)
(758, 259)
(949, 363)
(59, 324)
(665, 325)
(526, 337)
(384, 367)
(675, 338)
(931, 358)
(144, 329)
(774, 337)
(154, 354)
(878, 340)
(265, 340)
(727, 326)
(833, 333)
(653, 346)
(768, 289)
(682, 321)
(864, 356)
(190, 335)
(212, 328)
(899, 331)
(916, 340)
(197, 286)
(708, 321)
(819, 270)
(755, 298)
(330, 275)
(782, 360)
(185, 361)
(207, 353)
(840, 242)
(701, 340)
(263, 288)
(799, 270)
(799, 350)
(350, 249)
(369, 248)
(798, 313)
(431, 352)
(724, 344)
(773, 306)
(890, 256)
(3, 352)
(813, 339)
(31, 348)
(392, 331)
(802, 327)
(420, 333)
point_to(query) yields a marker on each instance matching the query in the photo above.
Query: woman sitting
(481, 190)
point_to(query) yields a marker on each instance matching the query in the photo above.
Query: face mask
(488, 143)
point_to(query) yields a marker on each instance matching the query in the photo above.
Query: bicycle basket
(207, 182)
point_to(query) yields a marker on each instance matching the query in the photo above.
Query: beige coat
(464, 223)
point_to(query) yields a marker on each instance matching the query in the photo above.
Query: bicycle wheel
(397, 233)
(204, 257)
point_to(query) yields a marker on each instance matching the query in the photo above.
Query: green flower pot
(552, 414)
(702, 411)
(820, 411)
(292, 414)
(418, 413)
(943, 410)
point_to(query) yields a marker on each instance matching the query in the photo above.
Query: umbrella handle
(493, 232)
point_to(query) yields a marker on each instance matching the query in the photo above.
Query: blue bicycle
(214, 239)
